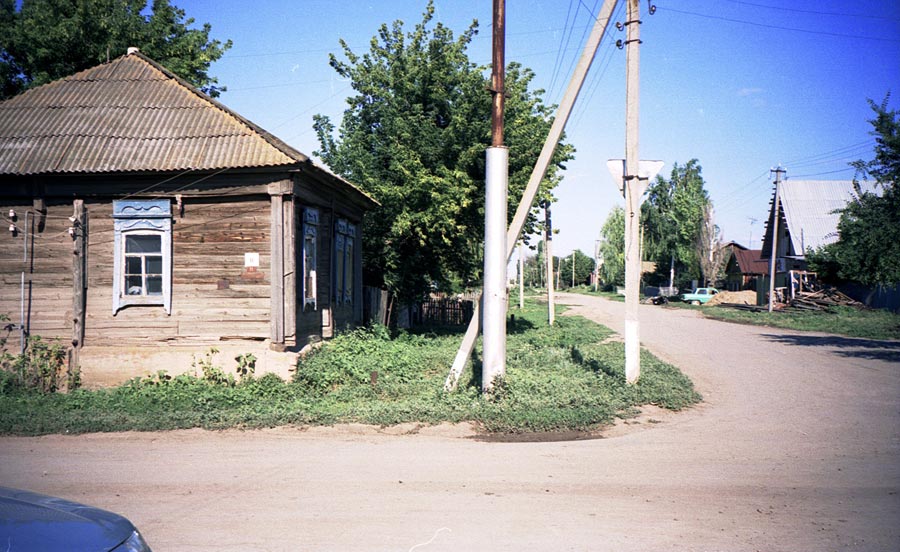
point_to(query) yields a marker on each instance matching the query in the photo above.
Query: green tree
(44, 40)
(612, 248)
(414, 137)
(584, 268)
(868, 249)
(673, 218)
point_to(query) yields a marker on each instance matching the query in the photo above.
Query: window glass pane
(133, 265)
(134, 285)
(309, 265)
(137, 243)
(154, 264)
(154, 285)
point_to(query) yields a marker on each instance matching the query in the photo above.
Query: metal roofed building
(809, 216)
(148, 222)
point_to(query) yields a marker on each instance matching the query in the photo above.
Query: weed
(560, 378)
(246, 365)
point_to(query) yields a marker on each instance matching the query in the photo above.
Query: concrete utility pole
(777, 210)
(634, 189)
(538, 173)
(495, 198)
(596, 265)
(573, 269)
(548, 257)
(521, 276)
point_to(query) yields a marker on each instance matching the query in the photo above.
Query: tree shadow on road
(849, 347)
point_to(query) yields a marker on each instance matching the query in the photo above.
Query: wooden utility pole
(537, 174)
(494, 297)
(79, 285)
(777, 208)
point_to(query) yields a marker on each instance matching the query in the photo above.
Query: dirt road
(796, 448)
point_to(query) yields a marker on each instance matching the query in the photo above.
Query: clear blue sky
(740, 85)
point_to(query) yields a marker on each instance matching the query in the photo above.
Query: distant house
(148, 223)
(745, 268)
(808, 219)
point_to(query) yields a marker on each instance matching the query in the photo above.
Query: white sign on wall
(251, 260)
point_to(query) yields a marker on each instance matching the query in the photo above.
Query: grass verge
(558, 379)
(848, 321)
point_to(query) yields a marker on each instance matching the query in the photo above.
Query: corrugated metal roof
(129, 115)
(811, 209)
(750, 261)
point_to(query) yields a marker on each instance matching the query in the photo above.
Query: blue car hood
(31, 521)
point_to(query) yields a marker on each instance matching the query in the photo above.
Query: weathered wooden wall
(47, 267)
(213, 295)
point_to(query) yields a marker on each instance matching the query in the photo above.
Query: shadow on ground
(849, 347)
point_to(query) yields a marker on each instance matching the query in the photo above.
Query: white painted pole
(540, 170)
(495, 298)
(521, 276)
(633, 194)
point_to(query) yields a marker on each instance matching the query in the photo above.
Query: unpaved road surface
(796, 448)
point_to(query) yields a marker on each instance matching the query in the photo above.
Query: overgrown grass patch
(848, 321)
(563, 378)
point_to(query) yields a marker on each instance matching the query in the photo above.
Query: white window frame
(310, 257)
(142, 217)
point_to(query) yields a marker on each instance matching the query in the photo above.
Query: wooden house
(808, 216)
(146, 224)
(745, 268)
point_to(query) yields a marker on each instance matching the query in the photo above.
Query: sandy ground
(796, 448)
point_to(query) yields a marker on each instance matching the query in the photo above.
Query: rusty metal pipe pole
(494, 297)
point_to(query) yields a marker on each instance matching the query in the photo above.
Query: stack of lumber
(822, 300)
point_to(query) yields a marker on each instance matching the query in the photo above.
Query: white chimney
(133, 50)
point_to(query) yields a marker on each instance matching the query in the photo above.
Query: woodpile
(821, 300)
(811, 301)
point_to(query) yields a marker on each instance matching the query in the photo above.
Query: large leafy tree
(414, 137)
(673, 219)
(43, 40)
(868, 249)
(583, 265)
(612, 248)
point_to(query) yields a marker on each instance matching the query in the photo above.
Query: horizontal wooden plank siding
(47, 268)
(214, 295)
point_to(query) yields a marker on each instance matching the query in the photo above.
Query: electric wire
(778, 27)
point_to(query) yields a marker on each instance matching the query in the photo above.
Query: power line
(755, 24)
(814, 12)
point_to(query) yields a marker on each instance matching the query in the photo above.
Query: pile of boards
(821, 300)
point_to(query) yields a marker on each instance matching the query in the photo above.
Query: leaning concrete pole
(494, 296)
(633, 192)
(540, 170)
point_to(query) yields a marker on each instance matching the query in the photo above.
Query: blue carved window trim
(344, 265)
(136, 218)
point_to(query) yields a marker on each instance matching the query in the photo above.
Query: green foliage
(44, 40)
(612, 248)
(414, 137)
(246, 365)
(42, 367)
(565, 377)
(584, 268)
(673, 218)
(868, 250)
(365, 356)
(212, 373)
